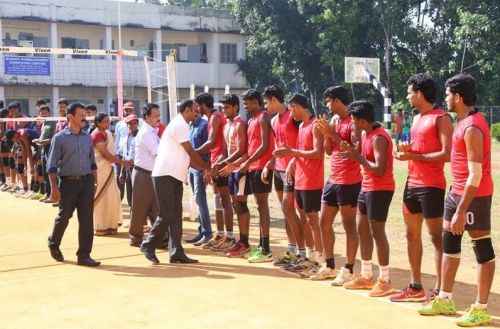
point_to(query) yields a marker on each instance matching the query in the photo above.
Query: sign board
(66, 51)
(19, 65)
(354, 72)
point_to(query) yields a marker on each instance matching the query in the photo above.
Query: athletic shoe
(324, 273)
(432, 296)
(284, 259)
(311, 271)
(358, 282)
(238, 250)
(473, 317)
(15, 189)
(253, 252)
(301, 265)
(212, 242)
(342, 278)
(261, 257)
(382, 288)
(28, 195)
(36, 196)
(6, 187)
(409, 294)
(438, 306)
(42, 199)
(21, 193)
(226, 244)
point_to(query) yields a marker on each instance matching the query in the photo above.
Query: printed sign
(19, 65)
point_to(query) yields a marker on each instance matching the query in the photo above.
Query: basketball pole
(387, 98)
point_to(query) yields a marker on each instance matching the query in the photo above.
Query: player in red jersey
(424, 193)
(377, 189)
(216, 146)
(307, 170)
(286, 130)
(468, 203)
(341, 191)
(235, 135)
(260, 149)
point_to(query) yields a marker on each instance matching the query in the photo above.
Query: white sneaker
(343, 277)
(324, 273)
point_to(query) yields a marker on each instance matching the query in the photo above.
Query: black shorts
(239, 184)
(375, 204)
(280, 182)
(257, 185)
(335, 195)
(4, 147)
(20, 168)
(478, 215)
(428, 201)
(221, 181)
(308, 200)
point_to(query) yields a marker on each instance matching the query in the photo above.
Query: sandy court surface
(128, 292)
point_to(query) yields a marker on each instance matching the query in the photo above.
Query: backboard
(353, 69)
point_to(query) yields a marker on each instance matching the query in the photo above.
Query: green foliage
(495, 131)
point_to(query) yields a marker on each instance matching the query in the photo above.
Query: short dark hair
(230, 99)
(91, 107)
(63, 101)
(72, 108)
(465, 86)
(185, 105)
(9, 134)
(4, 113)
(362, 109)
(16, 105)
(252, 94)
(299, 99)
(147, 108)
(43, 107)
(205, 98)
(424, 83)
(337, 92)
(40, 101)
(274, 91)
(99, 117)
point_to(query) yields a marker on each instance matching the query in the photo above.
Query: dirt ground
(128, 292)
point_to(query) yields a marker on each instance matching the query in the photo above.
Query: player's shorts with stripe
(308, 200)
(335, 195)
(428, 201)
(477, 216)
(239, 184)
(256, 183)
(375, 204)
(280, 182)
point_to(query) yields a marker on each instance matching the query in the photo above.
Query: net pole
(119, 84)
(387, 98)
(172, 85)
(148, 79)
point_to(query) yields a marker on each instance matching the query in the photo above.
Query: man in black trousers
(175, 154)
(72, 159)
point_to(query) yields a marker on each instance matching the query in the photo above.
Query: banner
(19, 65)
(66, 51)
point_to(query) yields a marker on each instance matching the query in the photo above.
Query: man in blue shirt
(198, 135)
(72, 159)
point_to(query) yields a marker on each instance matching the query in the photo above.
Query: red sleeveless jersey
(255, 140)
(231, 134)
(285, 133)
(309, 173)
(425, 139)
(218, 147)
(343, 171)
(372, 182)
(459, 169)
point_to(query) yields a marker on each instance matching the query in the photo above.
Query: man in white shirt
(144, 203)
(121, 134)
(175, 154)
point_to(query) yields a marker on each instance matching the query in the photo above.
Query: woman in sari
(107, 203)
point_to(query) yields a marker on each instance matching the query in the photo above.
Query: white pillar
(214, 59)
(2, 95)
(53, 35)
(53, 103)
(1, 33)
(108, 38)
(158, 41)
(109, 100)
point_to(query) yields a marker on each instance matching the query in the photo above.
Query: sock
(350, 267)
(42, 188)
(310, 253)
(384, 272)
(260, 240)
(292, 249)
(320, 258)
(417, 286)
(220, 233)
(244, 239)
(480, 306)
(444, 294)
(265, 244)
(330, 262)
(32, 184)
(302, 253)
(230, 234)
(2, 178)
(366, 269)
(36, 187)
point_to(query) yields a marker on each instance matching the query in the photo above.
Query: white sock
(320, 258)
(309, 253)
(384, 272)
(220, 233)
(302, 253)
(292, 249)
(443, 294)
(366, 269)
(480, 306)
(230, 234)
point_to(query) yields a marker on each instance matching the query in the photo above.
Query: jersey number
(469, 218)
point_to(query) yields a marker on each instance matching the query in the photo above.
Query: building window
(228, 53)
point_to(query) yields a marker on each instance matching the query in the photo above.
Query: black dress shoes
(87, 261)
(150, 255)
(193, 240)
(183, 260)
(56, 253)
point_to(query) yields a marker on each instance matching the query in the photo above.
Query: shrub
(495, 131)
